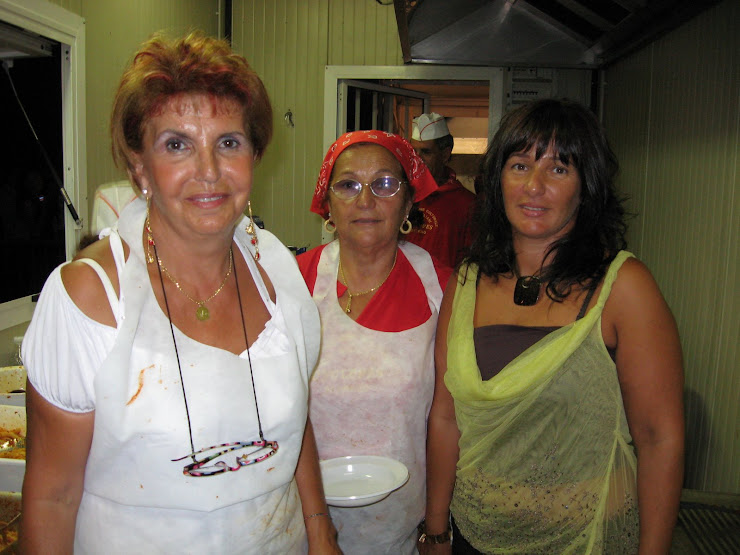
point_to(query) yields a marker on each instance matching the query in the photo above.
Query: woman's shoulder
(635, 295)
(633, 281)
(84, 285)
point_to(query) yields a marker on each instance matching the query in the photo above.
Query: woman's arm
(58, 441)
(322, 536)
(650, 369)
(57, 446)
(442, 436)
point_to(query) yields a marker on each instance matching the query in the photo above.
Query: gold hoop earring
(406, 226)
(251, 231)
(329, 226)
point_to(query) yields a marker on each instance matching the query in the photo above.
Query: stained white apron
(370, 395)
(136, 499)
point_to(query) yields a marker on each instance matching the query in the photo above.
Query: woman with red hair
(168, 365)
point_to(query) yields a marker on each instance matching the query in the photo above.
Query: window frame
(56, 23)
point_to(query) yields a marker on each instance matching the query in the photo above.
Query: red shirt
(445, 232)
(399, 304)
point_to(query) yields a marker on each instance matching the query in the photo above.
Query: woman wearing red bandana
(378, 298)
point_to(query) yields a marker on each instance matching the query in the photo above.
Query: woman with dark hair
(168, 365)
(557, 421)
(379, 299)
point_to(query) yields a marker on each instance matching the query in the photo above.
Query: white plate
(355, 481)
(12, 378)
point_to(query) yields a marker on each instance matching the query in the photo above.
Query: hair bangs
(547, 131)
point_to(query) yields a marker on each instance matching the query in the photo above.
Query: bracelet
(444, 537)
(316, 514)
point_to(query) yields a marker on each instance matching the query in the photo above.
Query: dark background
(31, 206)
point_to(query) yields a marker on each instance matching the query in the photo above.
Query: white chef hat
(429, 126)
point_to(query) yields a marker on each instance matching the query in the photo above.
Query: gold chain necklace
(201, 313)
(348, 309)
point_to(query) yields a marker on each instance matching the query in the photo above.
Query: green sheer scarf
(546, 463)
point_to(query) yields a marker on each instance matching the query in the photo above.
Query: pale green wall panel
(115, 28)
(307, 150)
(363, 33)
(629, 130)
(289, 43)
(74, 6)
(285, 42)
(672, 111)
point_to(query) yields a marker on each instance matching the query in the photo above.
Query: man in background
(445, 231)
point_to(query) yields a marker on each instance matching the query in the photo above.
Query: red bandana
(419, 177)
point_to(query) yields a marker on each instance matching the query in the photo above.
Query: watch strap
(444, 537)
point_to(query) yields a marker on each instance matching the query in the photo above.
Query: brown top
(497, 345)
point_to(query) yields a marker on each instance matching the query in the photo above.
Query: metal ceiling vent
(544, 33)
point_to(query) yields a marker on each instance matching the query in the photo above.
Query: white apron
(370, 395)
(136, 499)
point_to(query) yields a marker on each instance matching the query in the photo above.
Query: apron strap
(420, 260)
(422, 263)
(107, 285)
(326, 272)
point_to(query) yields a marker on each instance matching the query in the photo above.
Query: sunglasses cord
(177, 354)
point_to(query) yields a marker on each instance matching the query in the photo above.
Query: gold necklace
(348, 309)
(201, 313)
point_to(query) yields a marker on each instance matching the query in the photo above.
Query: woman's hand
(650, 370)
(322, 536)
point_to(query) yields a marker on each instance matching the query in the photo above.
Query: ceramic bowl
(355, 481)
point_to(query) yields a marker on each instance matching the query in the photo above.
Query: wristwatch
(444, 537)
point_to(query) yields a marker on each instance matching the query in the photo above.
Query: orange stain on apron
(141, 384)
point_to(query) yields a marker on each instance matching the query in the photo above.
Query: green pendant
(202, 313)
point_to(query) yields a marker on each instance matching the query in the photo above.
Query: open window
(42, 48)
